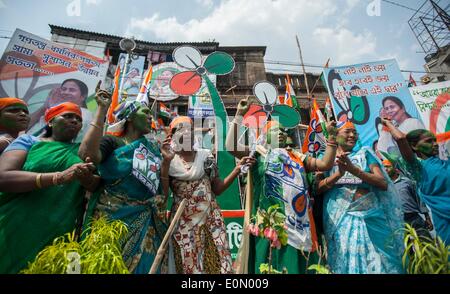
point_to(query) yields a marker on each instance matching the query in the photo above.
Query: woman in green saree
(130, 166)
(42, 182)
(279, 177)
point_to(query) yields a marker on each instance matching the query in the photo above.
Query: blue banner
(364, 93)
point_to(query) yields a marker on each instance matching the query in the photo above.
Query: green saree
(280, 178)
(30, 221)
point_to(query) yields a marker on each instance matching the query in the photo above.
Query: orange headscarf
(67, 107)
(345, 125)
(8, 101)
(178, 120)
(387, 163)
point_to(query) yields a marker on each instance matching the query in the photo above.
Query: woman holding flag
(362, 213)
(279, 177)
(130, 166)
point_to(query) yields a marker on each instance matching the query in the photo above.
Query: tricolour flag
(142, 96)
(289, 96)
(315, 141)
(164, 110)
(411, 81)
(115, 96)
(328, 109)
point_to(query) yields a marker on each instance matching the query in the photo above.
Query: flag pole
(320, 76)
(303, 67)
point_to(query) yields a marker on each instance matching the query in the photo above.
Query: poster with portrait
(200, 104)
(363, 93)
(433, 104)
(160, 85)
(131, 81)
(45, 73)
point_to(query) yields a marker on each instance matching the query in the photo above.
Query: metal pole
(431, 35)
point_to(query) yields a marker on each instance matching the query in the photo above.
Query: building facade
(250, 67)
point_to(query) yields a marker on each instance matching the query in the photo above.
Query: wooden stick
(303, 66)
(163, 247)
(241, 263)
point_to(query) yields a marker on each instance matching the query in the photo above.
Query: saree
(433, 181)
(131, 182)
(364, 236)
(280, 178)
(30, 221)
(200, 241)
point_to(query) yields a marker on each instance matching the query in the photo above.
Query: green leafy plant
(269, 225)
(424, 255)
(264, 269)
(320, 269)
(99, 252)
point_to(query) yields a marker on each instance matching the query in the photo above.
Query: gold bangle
(164, 178)
(96, 126)
(38, 181)
(55, 179)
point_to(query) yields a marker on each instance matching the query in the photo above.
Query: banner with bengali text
(363, 93)
(433, 104)
(44, 73)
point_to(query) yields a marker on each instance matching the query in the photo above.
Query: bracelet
(38, 181)
(96, 126)
(332, 144)
(164, 178)
(327, 184)
(55, 179)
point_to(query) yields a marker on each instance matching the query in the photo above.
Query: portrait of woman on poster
(71, 90)
(394, 109)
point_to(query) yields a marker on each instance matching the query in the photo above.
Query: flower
(271, 234)
(267, 95)
(187, 83)
(276, 244)
(256, 231)
(253, 229)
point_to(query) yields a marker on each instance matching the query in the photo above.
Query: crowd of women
(43, 183)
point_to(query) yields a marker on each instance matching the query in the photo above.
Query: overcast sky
(339, 29)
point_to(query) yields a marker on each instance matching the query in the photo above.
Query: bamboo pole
(303, 67)
(163, 247)
(241, 263)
